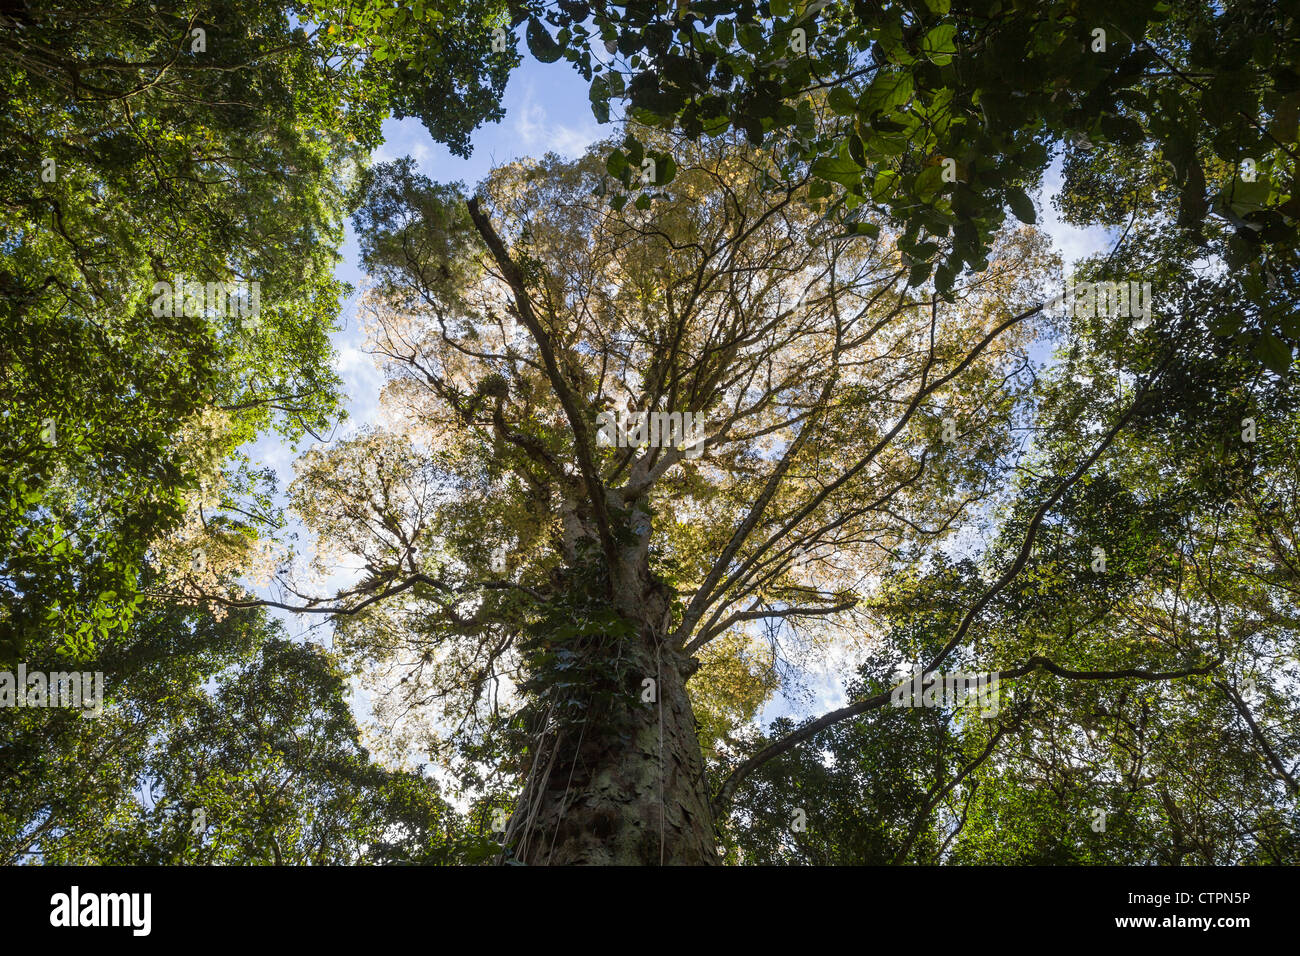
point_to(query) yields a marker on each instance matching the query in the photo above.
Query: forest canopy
(782, 380)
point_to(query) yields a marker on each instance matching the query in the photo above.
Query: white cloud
(539, 134)
(404, 137)
(1074, 243)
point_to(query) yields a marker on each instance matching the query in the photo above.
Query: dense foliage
(898, 450)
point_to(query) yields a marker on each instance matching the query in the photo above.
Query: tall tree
(852, 425)
(502, 535)
(671, 423)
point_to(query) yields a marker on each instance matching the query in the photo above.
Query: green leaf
(805, 119)
(540, 42)
(943, 277)
(1021, 205)
(838, 169)
(929, 182)
(886, 181)
(599, 96)
(1274, 353)
(939, 44)
(887, 91)
(1290, 325)
(842, 101)
(1227, 324)
(751, 37)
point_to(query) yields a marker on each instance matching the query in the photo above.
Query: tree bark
(625, 788)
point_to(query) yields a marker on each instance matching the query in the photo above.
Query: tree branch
(581, 437)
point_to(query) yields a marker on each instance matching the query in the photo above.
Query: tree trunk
(627, 786)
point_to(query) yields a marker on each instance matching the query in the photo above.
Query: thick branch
(581, 436)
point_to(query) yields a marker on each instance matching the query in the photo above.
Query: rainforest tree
(501, 538)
